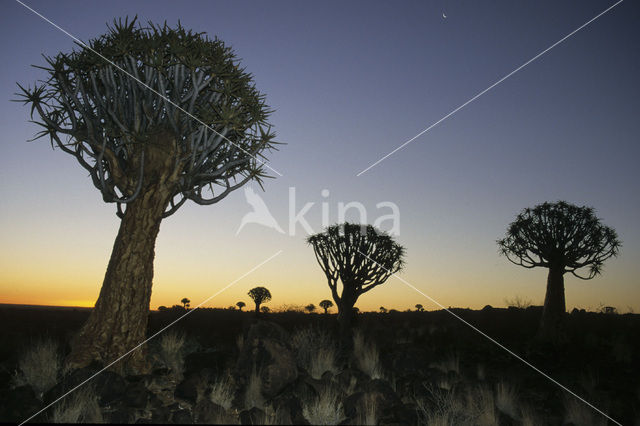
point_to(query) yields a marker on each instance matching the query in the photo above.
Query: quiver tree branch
(109, 121)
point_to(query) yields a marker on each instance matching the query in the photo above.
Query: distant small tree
(362, 258)
(240, 305)
(185, 303)
(419, 308)
(310, 307)
(518, 302)
(326, 304)
(265, 310)
(259, 295)
(383, 310)
(563, 238)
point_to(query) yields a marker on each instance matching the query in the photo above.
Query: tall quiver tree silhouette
(259, 295)
(174, 119)
(362, 258)
(564, 238)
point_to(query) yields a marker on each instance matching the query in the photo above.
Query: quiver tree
(157, 116)
(240, 305)
(326, 304)
(563, 238)
(361, 258)
(185, 302)
(419, 307)
(259, 295)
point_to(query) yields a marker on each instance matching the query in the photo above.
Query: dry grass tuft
(325, 409)
(222, 391)
(507, 399)
(253, 395)
(368, 413)
(40, 365)
(367, 356)
(172, 351)
(78, 407)
(316, 351)
(579, 413)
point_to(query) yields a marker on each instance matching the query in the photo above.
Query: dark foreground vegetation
(228, 366)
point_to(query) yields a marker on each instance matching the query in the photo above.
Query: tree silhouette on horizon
(185, 302)
(259, 295)
(563, 238)
(326, 304)
(146, 155)
(241, 305)
(361, 258)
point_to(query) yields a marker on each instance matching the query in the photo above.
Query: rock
(136, 395)
(122, 415)
(409, 360)
(20, 404)
(376, 395)
(253, 416)
(267, 348)
(401, 414)
(109, 386)
(288, 409)
(351, 403)
(181, 417)
(197, 361)
(188, 389)
(351, 378)
(209, 412)
(161, 415)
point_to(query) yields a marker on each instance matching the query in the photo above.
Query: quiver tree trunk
(345, 325)
(118, 322)
(553, 313)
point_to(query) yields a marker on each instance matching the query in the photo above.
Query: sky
(349, 83)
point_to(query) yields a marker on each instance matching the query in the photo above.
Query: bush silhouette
(563, 238)
(310, 307)
(259, 295)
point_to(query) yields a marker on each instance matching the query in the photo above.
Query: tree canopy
(359, 255)
(139, 96)
(560, 235)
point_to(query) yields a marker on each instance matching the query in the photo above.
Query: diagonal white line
(83, 44)
(163, 329)
(494, 341)
(490, 87)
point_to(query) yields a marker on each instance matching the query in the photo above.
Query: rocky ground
(408, 368)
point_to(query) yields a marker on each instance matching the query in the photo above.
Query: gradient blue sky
(350, 81)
